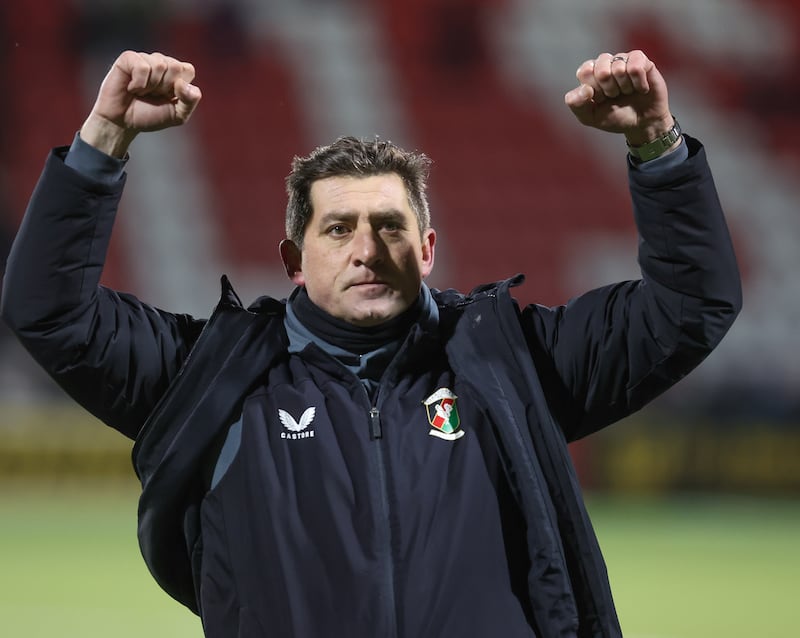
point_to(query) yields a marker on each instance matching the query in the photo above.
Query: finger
(137, 68)
(188, 96)
(639, 68)
(585, 75)
(176, 70)
(619, 69)
(581, 103)
(579, 96)
(187, 71)
(604, 76)
(142, 74)
(585, 72)
(159, 65)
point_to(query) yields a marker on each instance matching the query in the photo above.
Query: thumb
(188, 96)
(579, 97)
(579, 100)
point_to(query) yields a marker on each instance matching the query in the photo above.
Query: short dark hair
(353, 157)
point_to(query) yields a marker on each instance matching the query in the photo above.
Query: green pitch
(71, 568)
(705, 567)
(689, 568)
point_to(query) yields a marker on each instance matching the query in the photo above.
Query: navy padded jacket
(549, 375)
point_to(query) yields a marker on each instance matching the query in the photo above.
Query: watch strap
(659, 146)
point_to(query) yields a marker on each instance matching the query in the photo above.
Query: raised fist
(622, 93)
(141, 92)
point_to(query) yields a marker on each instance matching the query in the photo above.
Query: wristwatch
(658, 146)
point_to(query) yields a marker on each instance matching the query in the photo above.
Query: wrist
(650, 131)
(105, 136)
(655, 140)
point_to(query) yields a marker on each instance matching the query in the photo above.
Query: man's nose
(367, 247)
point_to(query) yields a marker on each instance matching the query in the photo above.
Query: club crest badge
(443, 415)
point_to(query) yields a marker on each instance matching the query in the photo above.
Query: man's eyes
(391, 226)
(338, 230)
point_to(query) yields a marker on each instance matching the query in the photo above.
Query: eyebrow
(391, 214)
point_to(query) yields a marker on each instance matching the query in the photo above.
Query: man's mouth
(376, 287)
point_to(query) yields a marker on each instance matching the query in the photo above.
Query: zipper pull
(375, 423)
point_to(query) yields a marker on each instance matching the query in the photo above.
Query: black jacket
(545, 376)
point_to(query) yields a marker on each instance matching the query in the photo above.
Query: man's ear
(428, 251)
(291, 256)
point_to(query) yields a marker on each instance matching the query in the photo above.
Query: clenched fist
(141, 92)
(622, 93)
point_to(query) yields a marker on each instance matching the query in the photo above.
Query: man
(372, 457)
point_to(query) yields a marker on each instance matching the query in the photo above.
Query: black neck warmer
(355, 339)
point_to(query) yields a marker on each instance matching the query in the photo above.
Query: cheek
(411, 262)
(320, 270)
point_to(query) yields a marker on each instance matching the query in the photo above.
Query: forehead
(359, 194)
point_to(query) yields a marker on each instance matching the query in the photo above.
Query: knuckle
(186, 71)
(637, 59)
(620, 74)
(158, 60)
(173, 64)
(603, 74)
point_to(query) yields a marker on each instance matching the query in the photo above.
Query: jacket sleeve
(608, 352)
(113, 354)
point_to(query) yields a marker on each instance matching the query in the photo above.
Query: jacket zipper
(376, 432)
(375, 423)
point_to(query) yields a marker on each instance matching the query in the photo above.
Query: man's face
(363, 258)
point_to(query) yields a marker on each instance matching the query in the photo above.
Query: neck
(355, 339)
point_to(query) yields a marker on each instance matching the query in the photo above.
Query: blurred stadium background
(696, 498)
